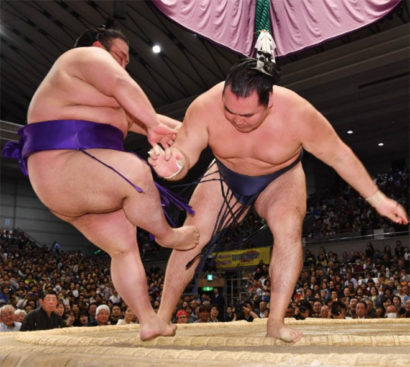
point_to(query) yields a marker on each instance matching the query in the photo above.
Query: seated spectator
(374, 294)
(317, 305)
(229, 314)
(102, 316)
(19, 315)
(351, 308)
(380, 311)
(247, 313)
(324, 312)
(44, 317)
(391, 312)
(302, 311)
(396, 302)
(69, 319)
(7, 319)
(338, 310)
(182, 317)
(203, 314)
(129, 318)
(218, 300)
(116, 314)
(4, 295)
(361, 310)
(115, 297)
(75, 308)
(91, 312)
(371, 312)
(263, 310)
(83, 320)
(191, 316)
(60, 309)
(213, 317)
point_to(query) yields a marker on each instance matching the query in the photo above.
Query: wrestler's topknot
(244, 78)
(104, 34)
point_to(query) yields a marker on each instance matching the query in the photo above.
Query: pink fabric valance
(297, 24)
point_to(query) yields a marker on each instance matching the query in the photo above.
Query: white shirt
(4, 327)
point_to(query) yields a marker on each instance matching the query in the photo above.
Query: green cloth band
(262, 18)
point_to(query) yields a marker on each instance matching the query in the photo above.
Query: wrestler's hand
(388, 208)
(166, 164)
(161, 134)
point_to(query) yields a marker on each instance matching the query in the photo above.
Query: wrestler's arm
(170, 122)
(98, 68)
(191, 140)
(137, 127)
(319, 138)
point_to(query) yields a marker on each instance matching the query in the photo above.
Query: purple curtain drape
(296, 24)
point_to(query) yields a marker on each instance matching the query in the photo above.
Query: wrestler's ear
(98, 44)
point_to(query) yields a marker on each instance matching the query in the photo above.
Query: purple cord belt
(77, 135)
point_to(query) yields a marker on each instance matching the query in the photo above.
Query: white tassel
(265, 45)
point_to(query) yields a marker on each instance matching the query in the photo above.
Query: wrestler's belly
(255, 166)
(114, 116)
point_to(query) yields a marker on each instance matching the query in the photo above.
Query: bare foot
(277, 329)
(182, 238)
(156, 327)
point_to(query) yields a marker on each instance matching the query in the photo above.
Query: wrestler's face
(244, 113)
(119, 50)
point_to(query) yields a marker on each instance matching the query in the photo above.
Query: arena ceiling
(359, 81)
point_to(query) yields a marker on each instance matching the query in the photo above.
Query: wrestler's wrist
(376, 199)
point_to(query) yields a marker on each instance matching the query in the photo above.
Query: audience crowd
(344, 211)
(77, 289)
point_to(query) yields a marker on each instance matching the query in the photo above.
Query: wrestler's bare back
(65, 93)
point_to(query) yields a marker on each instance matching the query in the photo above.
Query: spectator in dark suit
(44, 317)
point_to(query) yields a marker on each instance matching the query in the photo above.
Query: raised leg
(283, 206)
(78, 185)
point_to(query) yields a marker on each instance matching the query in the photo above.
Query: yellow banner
(246, 257)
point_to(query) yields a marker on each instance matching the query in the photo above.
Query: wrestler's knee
(286, 225)
(121, 249)
(140, 173)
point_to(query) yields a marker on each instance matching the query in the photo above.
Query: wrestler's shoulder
(205, 101)
(288, 98)
(208, 98)
(286, 93)
(82, 53)
(211, 94)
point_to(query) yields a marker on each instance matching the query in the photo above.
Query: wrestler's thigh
(283, 203)
(73, 183)
(206, 201)
(112, 232)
